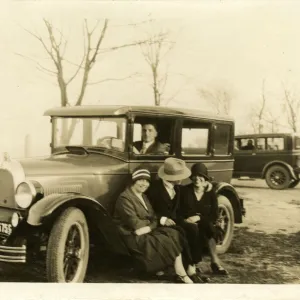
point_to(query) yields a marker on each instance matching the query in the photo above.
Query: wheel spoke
(73, 253)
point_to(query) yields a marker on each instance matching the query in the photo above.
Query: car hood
(69, 164)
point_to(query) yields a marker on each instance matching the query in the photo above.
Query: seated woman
(199, 209)
(154, 247)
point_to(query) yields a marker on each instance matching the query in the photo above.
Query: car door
(244, 157)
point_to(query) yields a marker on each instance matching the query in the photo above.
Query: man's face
(149, 133)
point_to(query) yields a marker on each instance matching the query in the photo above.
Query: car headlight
(25, 194)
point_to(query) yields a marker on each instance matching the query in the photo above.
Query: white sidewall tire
(57, 241)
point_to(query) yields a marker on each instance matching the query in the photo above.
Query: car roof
(258, 135)
(119, 110)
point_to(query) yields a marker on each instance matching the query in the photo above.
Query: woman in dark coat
(154, 247)
(199, 210)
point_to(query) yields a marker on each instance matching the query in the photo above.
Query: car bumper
(13, 254)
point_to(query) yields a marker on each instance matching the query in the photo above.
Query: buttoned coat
(154, 250)
(161, 201)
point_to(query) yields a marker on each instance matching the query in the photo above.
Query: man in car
(249, 145)
(149, 144)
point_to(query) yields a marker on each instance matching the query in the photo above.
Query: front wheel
(278, 177)
(226, 222)
(68, 247)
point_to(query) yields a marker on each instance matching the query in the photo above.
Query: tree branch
(37, 63)
(114, 79)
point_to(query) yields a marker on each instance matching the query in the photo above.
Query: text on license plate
(5, 228)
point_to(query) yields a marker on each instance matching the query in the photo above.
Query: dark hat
(200, 170)
(141, 173)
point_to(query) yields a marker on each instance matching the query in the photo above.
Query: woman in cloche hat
(154, 247)
(199, 209)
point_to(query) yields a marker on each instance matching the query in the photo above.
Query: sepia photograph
(153, 144)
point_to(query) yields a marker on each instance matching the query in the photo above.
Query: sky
(234, 45)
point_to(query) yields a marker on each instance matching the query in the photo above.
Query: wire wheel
(225, 224)
(278, 177)
(68, 247)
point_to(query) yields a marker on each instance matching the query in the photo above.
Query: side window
(247, 144)
(152, 136)
(261, 144)
(237, 144)
(222, 138)
(275, 143)
(194, 139)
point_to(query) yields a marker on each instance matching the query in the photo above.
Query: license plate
(5, 228)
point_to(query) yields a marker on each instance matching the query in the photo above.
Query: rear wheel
(226, 222)
(278, 177)
(68, 247)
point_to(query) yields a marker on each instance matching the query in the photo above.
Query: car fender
(46, 210)
(282, 163)
(49, 204)
(226, 189)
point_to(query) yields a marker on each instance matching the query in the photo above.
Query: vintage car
(59, 206)
(274, 157)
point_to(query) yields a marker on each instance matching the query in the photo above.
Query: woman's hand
(193, 219)
(208, 186)
(169, 222)
(142, 230)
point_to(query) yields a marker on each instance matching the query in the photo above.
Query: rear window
(275, 143)
(194, 138)
(222, 138)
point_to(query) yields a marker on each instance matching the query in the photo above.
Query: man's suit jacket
(155, 148)
(161, 201)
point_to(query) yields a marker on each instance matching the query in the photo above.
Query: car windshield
(91, 132)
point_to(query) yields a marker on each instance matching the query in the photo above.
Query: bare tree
(218, 98)
(292, 109)
(154, 51)
(258, 112)
(272, 119)
(55, 45)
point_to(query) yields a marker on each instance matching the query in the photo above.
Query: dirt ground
(264, 250)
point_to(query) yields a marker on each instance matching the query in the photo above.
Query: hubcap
(278, 177)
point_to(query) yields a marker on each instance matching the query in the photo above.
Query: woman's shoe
(160, 273)
(203, 277)
(218, 270)
(183, 279)
(196, 278)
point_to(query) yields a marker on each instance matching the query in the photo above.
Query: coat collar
(129, 194)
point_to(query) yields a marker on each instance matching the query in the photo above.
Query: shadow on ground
(254, 257)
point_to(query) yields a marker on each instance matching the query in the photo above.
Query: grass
(254, 257)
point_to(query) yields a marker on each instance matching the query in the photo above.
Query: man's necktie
(144, 149)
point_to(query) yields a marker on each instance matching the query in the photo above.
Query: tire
(278, 177)
(294, 184)
(226, 218)
(68, 247)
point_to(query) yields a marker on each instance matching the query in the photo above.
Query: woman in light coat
(153, 246)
